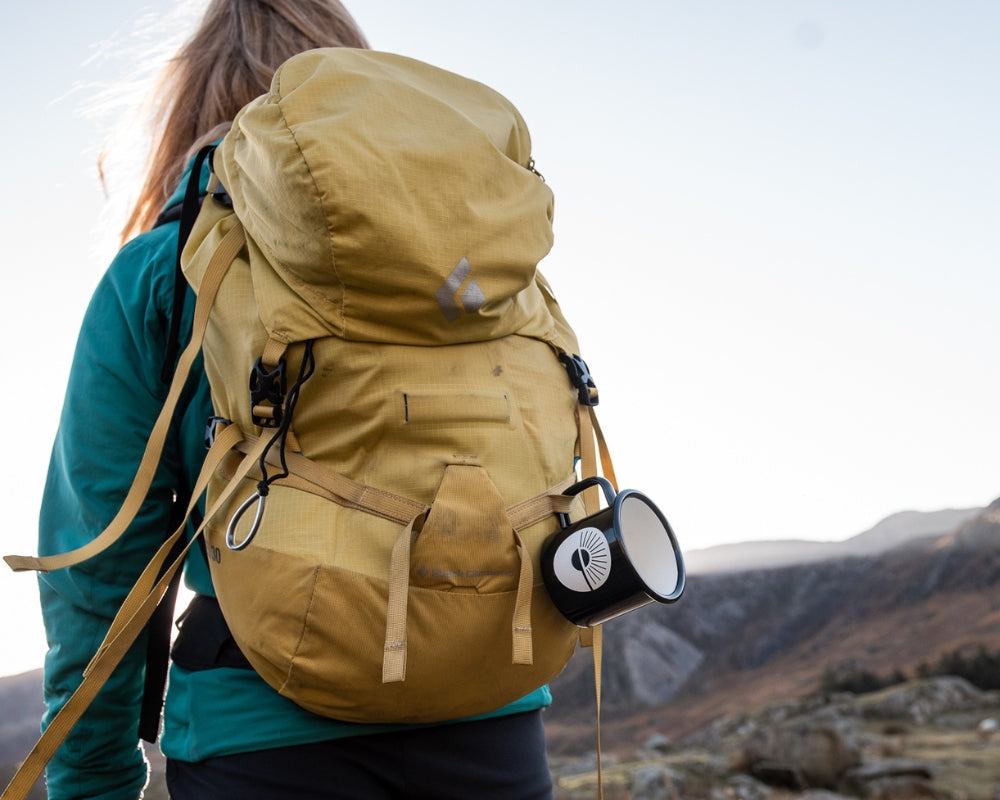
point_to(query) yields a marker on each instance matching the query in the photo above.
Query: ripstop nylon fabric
(394, 222)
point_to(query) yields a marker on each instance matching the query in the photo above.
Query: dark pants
(495, 759)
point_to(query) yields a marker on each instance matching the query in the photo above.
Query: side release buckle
(580, 377)
(267, 394)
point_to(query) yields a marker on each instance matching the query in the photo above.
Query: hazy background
(776, 236)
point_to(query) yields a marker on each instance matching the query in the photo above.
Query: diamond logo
(453, 299)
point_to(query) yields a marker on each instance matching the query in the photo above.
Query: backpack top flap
(386, 200)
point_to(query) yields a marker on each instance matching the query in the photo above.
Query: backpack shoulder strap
(224, 255)
(158, 640)
(155, 581)
(185, 212)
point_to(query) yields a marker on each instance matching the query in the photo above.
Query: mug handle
(586, 483)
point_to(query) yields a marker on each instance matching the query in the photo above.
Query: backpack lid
(387, 200)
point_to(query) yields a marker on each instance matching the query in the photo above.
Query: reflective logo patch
(448, 297)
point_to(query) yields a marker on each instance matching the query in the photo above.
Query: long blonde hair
(229, 60)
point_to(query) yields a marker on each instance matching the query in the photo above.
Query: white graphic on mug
(582, 562)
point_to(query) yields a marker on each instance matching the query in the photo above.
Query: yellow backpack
(403, 362)
(399, 402)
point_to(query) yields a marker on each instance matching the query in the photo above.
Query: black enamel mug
(621, 558)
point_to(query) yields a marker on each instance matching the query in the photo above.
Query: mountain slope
(21, 701)
(896, 530)
(741, 639)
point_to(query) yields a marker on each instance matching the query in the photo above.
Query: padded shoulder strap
(186, 212)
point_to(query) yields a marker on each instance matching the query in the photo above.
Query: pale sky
(776, 236)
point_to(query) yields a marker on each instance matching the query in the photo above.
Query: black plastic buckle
(267, 389)
(211, 429)
(580, 377)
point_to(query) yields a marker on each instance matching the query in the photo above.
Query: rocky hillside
(21, 704)
(739, 640)
(931, 738)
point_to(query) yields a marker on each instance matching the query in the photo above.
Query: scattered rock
(657, 744)
(921, 701)
(892, 779)
(987, 728)
(779, 774)
(654, 783)
(802, 756)
(741, 787)
(832, 748)
(889, 768)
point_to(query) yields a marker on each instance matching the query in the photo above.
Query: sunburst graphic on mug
(582, 561)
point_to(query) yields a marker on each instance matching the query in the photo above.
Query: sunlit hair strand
(229, 60)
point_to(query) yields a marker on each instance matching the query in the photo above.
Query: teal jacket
(113, 398)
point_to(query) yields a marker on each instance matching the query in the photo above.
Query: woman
(225, 732)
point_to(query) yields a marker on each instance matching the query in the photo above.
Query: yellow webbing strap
(227, 250)
(273, 352)
(552, 501)
(521, 650)
(597, 647)
(226, 440)
(307, 475)
(588, 459)
(590, 430)
(591, 433)
(607, 468)
(130, 620)
(593, 638)
(394, 654)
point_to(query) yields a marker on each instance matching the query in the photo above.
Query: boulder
(919, 702)
(801, 756)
